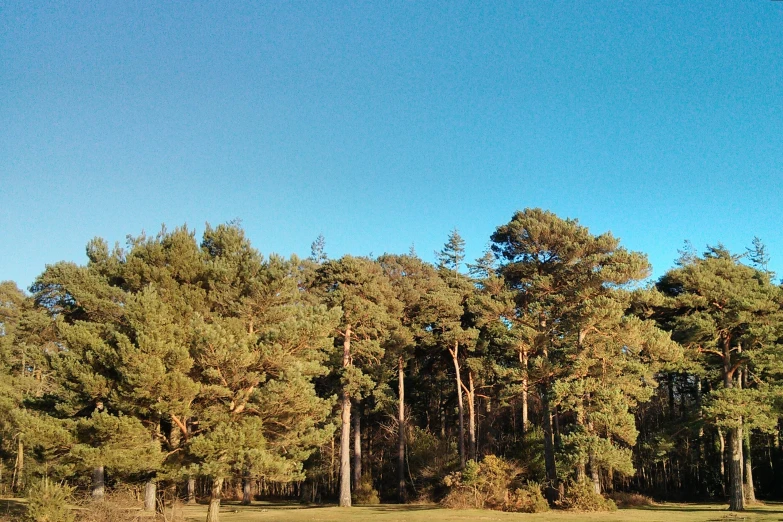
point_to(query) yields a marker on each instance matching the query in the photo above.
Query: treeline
(202, 369)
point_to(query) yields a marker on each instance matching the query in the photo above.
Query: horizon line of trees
(203, 369)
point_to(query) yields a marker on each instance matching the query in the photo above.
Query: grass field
(259, 512)
(266, 512)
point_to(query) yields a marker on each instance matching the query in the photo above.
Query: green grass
(260, 512)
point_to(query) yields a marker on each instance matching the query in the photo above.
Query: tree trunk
(596, 475)
(523, 362)
(98, 483)
(150, 491)
(722, 441)
(471, 394)
(750, 491)
(345, 432)
(401, 432)
(213, 513)
(460, 407)
(175, 437)
(357, 447)
(191, 490)
(736, 494)
(247, 490)
(441, 413)
(552, 486)
(17, 481)
(581, 469)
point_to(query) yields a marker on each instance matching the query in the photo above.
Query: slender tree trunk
(98, 483)
(750, 490)
(401, 434)
(722, 441)
(357, 447)
(460, 407)
(213, 513)
(523, 362)
(345, 432)
(150, 492)
(581, 473)
(191, 490)
(701, 453)
(441, 413)
(471, 394)
(595, 474)
(552, 486)
(17, 481)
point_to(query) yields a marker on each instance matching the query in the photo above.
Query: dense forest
(552, 366)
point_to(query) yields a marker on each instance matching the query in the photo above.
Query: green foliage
(484, 484)
(732, 408)
(430, 458)
(580, 496)
(527, 499)
(364, 493)
(175, 357)
(119, 442)
(530, 453)
(49, 501)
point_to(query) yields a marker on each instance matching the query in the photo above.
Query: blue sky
(386, 124)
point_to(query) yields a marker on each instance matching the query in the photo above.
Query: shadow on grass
(11, 507)
(766, 508)
(264, 506)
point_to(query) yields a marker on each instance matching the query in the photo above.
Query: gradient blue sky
(382, 124)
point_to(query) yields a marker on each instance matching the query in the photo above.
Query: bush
(430, 458)
(527, 499)
(365, 493)
(580, 496)
(631, 500)
(48, 502)
(481, 485)
(107, 511)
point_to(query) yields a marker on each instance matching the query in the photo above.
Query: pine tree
(452, 254)
(568, 290)
(256, 354)
(412, 279)
(361, 291)
(726, 314)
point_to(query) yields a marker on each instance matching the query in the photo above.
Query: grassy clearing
(260, 512)
(11, 510)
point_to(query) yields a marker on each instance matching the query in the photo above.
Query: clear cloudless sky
(385, 124)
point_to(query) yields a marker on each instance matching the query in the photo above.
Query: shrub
(430, 458)
(631, 500)
(580, 496)
(48, 502)
(364, 493)
(527, 499)
(481, 485)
